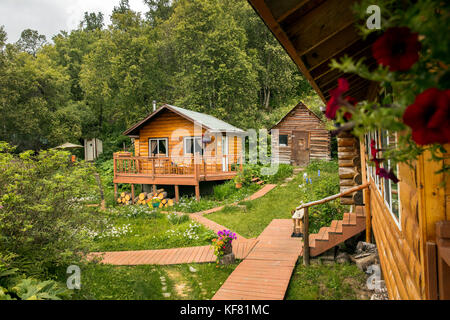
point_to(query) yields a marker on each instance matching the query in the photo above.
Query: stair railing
(301, 213)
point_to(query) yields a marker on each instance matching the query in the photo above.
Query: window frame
(193, 138)
(150, 155)
(287, 140)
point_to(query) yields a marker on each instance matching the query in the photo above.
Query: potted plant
(156, 202)
(238, 179)
(223, 244)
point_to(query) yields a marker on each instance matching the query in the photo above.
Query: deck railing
(197, 165)
(297, 213)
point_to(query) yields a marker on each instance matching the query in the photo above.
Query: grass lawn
(132, 228)
(327, 282)
(251, 220)
(150, 282)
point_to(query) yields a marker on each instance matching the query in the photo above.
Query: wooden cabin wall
(302, 119)
(166, 125)
(349, 167)
(399, 246)
(423, 201)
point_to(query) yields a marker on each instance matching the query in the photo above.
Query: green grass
(326, 282)
(279, 203)
(106, 282)
(148, 231)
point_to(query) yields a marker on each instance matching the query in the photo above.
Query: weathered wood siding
(302, 119)
(402, 245)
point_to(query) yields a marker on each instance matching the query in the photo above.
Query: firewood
(162, 195)
(170, 202)
(122, 194)
(127, 197)
(142, 195)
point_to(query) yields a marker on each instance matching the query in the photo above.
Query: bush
(41, 209)
(324, 186)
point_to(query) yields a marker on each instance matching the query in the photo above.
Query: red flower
(335, 101)
(429, 117)
(383, 173)
(353, 102)
(398, 48)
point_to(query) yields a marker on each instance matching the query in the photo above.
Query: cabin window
(193, 145)
(158, 147)
(283, 140)
(388, 190)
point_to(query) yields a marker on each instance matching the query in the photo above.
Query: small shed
(92, 149)
(299, 137)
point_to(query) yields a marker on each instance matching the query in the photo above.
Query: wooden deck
(265, 273)
(241, 249)
(186, 170)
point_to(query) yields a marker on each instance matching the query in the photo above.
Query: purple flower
(1, 207)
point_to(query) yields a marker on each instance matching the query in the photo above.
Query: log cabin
(176, 146)
(300, 136)
(408, 221)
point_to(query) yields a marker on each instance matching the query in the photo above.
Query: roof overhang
(313, 32)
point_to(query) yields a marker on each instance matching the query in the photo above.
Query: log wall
(402, 243)
(349, 167)
(302, 119)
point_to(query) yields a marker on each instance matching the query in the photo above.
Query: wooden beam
(320, 24)
(197, 192)
(368, 215)
(132, 192)
(306, 237)
(261, 8)
(177, 194)
(290, 11)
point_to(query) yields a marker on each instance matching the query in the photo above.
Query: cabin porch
(176, 171)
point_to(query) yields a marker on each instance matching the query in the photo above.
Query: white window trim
(184, 144)
(157, 146)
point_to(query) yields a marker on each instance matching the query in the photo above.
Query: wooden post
(306, 238)
(154, 188)
(197, 192)
(115, 191)
(153, 168)
(132, 193)
(241, 162)
(177, 194)
(368, 214)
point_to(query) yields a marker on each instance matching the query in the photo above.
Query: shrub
(41, 208)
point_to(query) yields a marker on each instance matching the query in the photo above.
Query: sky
(49, 17)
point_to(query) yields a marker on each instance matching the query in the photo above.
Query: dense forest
(212, 56)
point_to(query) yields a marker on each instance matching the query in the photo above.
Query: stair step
(333, 226)
(323, 234)
(352, 218)
(346, 219)
(360, 211)
(339, 227)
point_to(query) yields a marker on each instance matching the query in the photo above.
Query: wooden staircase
(339, 231)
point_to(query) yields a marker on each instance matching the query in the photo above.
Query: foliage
(18, 287)
(210, 56)
(143, 228)
(41, 198)
(146, 282)
(419, 30)
(326, 282)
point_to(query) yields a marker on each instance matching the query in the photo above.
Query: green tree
(31, 41)
(92, 21)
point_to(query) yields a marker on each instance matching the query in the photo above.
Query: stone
(227, 259)
(364, 262)
(328, 255)
(365, 247)
(192, 269)
(342, 257)
(166, 294)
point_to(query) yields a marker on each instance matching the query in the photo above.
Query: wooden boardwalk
(265, 273)
(200, 254)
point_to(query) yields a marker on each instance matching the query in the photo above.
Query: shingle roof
(207, 121)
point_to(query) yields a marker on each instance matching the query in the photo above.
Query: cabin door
(224, 153)
(300, 148)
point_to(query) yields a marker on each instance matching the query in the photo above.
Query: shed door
(300, 148)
